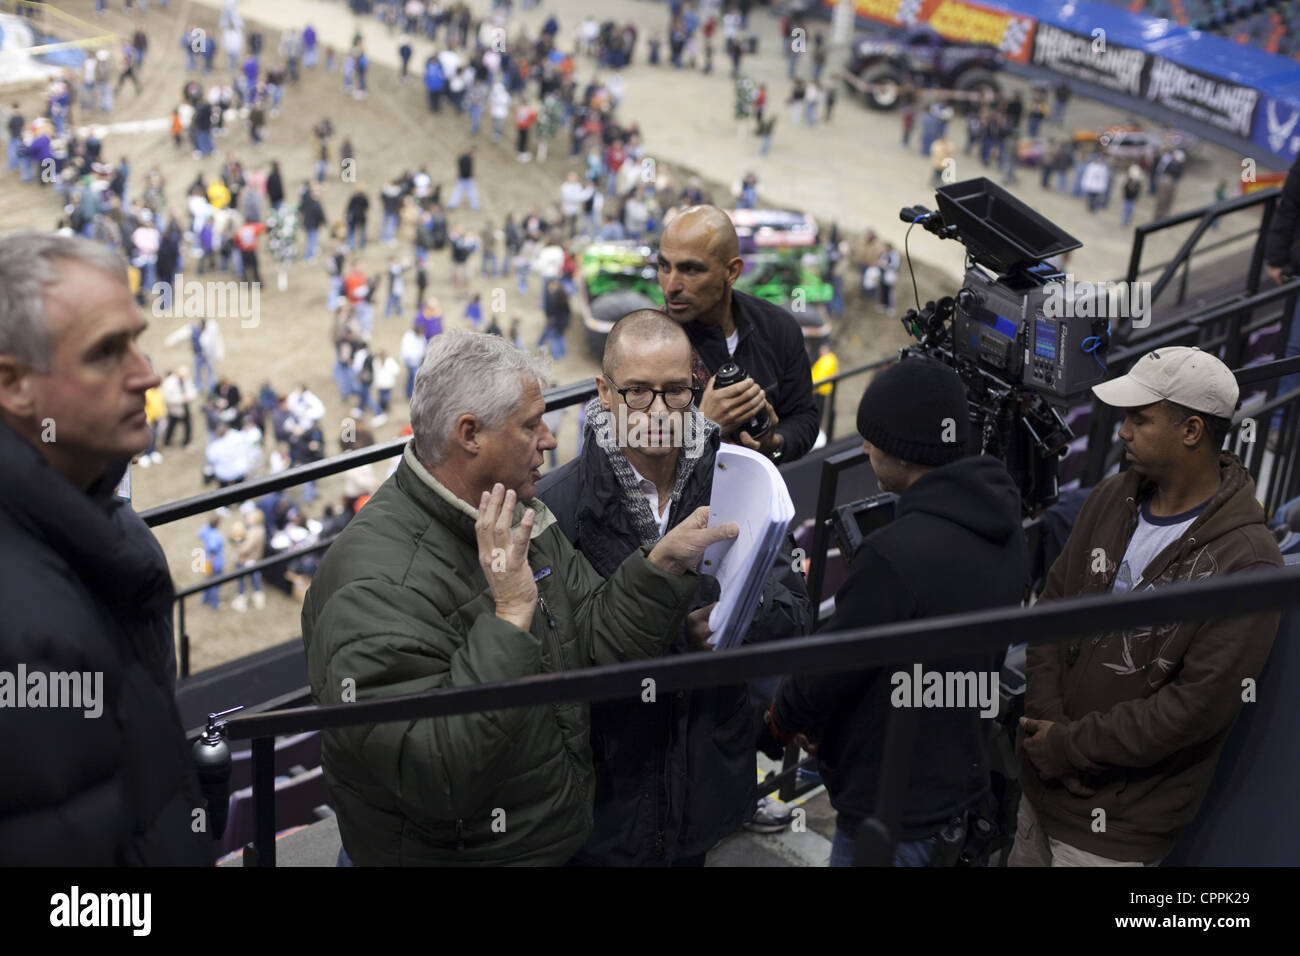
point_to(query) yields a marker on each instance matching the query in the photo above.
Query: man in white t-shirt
(1131, 722)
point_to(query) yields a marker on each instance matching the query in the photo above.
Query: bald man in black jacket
(699, 262)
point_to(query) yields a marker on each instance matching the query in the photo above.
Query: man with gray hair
(453, 575)
(102, 776)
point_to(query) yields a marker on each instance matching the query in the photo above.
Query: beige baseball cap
(1181, 374)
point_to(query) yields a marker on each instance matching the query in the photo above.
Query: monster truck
(879, 67)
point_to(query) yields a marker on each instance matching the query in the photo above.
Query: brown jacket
(1142, 714)
(867, 251)
(253, 545)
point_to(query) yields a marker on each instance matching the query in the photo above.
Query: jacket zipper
(550, 632)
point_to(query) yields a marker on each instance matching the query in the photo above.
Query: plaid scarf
(602, 428)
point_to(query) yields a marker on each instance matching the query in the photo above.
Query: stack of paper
(748, 490)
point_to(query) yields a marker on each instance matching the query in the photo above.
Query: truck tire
(890, 79)
(979, 81)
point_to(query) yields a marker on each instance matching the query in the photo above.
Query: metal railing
(834, 383)
(856, 650)
(1205, 217)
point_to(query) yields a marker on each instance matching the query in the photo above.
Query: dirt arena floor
(687, 125)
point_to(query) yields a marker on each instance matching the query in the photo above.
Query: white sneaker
(239, 603)
(379, 419)
(144, 461)
(259, 600)
(355, 412)
(770, 816)
(156, 458)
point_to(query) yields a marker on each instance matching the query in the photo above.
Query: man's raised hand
(503, 556)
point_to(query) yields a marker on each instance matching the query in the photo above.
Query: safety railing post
(263, 846)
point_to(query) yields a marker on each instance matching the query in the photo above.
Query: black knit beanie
(911, 407)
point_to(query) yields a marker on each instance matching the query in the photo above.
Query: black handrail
(218, 580)
(561, 397)
(254, 566)
(1283, 482)
(834, 381)
(1251, 233)
(856, 649)
(1206, 216)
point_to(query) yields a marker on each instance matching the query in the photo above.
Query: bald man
(675, 775)
(699, 262)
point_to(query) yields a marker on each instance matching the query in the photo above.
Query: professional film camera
(1013, 348)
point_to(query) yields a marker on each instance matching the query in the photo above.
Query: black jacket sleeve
(795, 406)
(559, 490)
(783, 608)
(1281, 231)
(873, 594)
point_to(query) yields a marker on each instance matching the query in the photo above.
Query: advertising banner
(1091, 59)
(1227, 105)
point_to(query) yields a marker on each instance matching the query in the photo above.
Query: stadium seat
(1269, 25)
(1262, 345)
(1288, 541)
(1251, 813)
(1288, 515)
(298, 801)
(1071, 466)
(300, 750)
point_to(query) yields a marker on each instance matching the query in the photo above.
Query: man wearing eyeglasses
(699, 262)
(674, 775)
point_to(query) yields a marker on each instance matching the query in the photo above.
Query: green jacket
(399, 606)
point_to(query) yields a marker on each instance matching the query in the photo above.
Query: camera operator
(1132, 722)
(647, 464)
(956, 545)
(699, 262)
